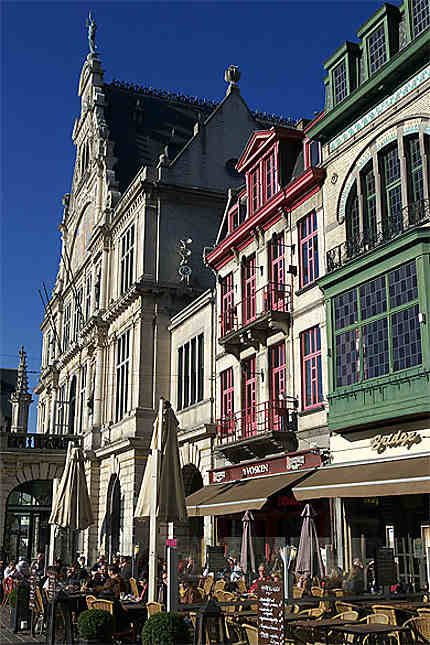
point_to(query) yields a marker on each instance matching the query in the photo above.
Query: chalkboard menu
(384, 566)
(215, 558)
(271, 614)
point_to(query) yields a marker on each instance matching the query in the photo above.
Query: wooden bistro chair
(420, 628)
(108, 605)
(133, 587)
(251, 634)
(154, 608)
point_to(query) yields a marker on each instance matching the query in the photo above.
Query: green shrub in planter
(11, 599)
(96, 625)
(166, 628)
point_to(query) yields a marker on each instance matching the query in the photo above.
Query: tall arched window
(352, 222)
(72, 406)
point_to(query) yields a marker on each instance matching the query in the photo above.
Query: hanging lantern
(210, 625)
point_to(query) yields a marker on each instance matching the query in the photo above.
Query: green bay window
(340, 85)
(377, 49)
(376, 327)
(420, 16)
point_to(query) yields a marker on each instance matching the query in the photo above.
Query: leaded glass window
(377, 49)
(340, 82)
(420, 16)
(377, 331)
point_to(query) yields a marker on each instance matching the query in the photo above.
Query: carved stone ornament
(232, 75)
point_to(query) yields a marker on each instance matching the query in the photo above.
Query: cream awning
(239, 496)
(369, 479)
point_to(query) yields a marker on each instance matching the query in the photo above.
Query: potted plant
(95, 626)
(11, 599)
(166, 628)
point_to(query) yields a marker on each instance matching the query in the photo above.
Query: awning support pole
(153, 524)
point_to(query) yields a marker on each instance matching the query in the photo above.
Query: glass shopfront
(27, 513)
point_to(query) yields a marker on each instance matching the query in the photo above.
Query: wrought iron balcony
(256, 317)
(36, 441)
(414, 214)
(259, 430)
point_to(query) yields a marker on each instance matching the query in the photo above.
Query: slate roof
(143, 120)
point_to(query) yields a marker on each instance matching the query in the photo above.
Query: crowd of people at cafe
(112, 580)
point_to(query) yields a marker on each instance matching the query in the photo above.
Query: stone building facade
(149, 186)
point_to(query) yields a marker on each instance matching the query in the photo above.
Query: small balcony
(251, 321)
(258, 431)
(36, 442)
(412, 215)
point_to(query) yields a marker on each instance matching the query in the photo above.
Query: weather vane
(92, 27)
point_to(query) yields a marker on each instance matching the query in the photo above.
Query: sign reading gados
(394, 440)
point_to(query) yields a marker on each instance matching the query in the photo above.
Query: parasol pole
(156, 455)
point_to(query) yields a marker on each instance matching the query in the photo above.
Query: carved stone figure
(92, 27)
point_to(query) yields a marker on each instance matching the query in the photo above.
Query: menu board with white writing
(270, 614)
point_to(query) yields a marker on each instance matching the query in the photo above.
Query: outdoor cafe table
(375, 631)
(325, 624)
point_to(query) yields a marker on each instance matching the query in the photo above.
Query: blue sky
(280, 48)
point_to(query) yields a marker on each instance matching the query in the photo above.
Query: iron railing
(37, 441)
(270, 416)
(272, 297)
(412, 215)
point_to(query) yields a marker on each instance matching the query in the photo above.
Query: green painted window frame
(410, 20)
(344, 62)
(415, 170)
(370, 225)
(360, 324)
(388, 188)
(382, 24)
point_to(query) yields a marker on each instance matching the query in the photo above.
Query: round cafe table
(375, 631)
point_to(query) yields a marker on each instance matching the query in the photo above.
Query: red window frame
(308, 249)
(249, 289)
(312, 392)
(227, 402)
(254, 190)
(249, 397)
(269, 176)
(227, 304)
(276, 291)
(278, 385)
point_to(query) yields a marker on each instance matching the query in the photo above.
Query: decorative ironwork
(270, 416)
(271, 297)
(38, 441)
(414, 214)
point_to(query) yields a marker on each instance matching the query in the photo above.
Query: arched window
(352, 222)
(72, 406)
(113, 516)
(368, 187)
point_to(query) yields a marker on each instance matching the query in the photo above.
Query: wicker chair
(154, 608)
(390, 612)
(229, 597)
(241, 585)
(297, 592)
(234, 632)
(318, 592)
(345, 606)
(89, 600)
(133, 587)
(219, 585)
(420, 628)
(378, 619)
(108, 605)
(337, 637)
(337, 592)
(251, 634)
(423, 611)
(208, 584)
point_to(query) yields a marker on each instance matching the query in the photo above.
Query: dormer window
(420, 16)
(377, 49)
(315, 153)
(270, 176)
(339, 82)
(237, 215)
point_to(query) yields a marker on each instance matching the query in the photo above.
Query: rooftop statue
(91, 33)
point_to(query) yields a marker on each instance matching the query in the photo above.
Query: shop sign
(255, 469)
(219, 476)
(295, 463)
(394, 440)
(286, 500)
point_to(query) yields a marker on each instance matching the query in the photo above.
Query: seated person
(262, 577)
(333, 580)
(143, 596)
(230, 585)
(73, 578)
(304, 582)
(354, 583)
(114, 586)
(96, 579)
(52, 573)
(191, 595)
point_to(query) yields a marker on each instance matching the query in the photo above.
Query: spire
(21, 397)
(92, 28)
